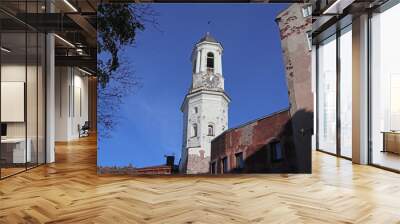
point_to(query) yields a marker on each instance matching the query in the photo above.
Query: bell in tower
(207, 61)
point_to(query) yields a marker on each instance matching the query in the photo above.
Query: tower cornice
(198, 45)
(205, 92)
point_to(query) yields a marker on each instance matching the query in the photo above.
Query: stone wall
(212, 109)
(198, 163)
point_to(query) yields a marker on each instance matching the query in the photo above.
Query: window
(239, 160)
(276, 151)
(213, 168)
(195, 110)
(210, 130)
(210, 60)
(194, 66)
(194, 130)
(309, 40)
(225, 165)
(307, 11)
(385, 89)
(345, 93)
(326, 90)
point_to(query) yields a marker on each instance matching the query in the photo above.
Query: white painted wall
(211, 103)
(200, 56)
(212, 110)
(61, 103)
(71, 94)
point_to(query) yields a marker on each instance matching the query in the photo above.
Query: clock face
(211, 81)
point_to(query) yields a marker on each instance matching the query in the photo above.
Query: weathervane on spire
(209, 27)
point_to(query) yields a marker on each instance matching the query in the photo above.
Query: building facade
(261, 146)
(163, 169)
(205, 107)
(295, 24)
(357, 81)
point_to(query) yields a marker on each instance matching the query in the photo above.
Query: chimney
(170, 161)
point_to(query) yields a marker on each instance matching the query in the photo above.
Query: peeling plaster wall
(205, 104)
(297, 58)
(253, 141)
(212, 109)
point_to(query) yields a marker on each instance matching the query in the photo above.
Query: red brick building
(261, 146)
(165, 169)
(295, 26)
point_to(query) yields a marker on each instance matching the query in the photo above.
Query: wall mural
(225, 110)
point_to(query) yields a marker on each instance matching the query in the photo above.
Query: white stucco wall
(208, 96)
(212, 110)
(200, 56)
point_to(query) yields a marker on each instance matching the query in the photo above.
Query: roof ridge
(254, 120)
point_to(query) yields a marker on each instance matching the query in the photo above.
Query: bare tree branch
(118, 25)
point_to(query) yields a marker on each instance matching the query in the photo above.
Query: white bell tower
(205, 107)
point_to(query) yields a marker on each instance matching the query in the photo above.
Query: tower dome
(208, 38)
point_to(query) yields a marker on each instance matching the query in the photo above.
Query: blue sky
(252, 67)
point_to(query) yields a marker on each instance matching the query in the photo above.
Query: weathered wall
(197, 162)
(205, 104)
(212, 109)
(130, 170)
(253, 141)
(297, 58)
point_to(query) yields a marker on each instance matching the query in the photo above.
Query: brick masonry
(198, 164)
(297, 58)
(253, 140)
(130, 170)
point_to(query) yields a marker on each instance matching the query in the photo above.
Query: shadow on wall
(295, 140)
(302, 123)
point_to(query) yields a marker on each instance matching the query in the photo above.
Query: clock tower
(205, 107)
